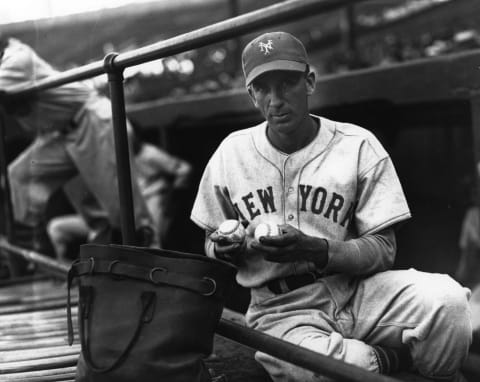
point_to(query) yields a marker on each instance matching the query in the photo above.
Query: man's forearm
(366, 255)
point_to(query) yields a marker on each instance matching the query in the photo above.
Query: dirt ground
(236, 362)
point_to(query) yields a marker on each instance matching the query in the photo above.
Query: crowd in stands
(392, 49)
(213, 70)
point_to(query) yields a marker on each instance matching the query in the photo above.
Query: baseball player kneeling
(322, 280)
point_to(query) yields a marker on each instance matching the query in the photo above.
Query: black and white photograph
(240, 190)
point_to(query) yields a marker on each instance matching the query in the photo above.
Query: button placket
(291, 197)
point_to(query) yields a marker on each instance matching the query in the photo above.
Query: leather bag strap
(147, 300)
(70, 277)
(205, 286)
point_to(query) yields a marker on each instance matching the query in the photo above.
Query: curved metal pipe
(283, 12)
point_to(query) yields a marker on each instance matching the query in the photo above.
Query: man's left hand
(292, 245)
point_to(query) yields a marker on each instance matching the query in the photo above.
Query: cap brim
(275, 65)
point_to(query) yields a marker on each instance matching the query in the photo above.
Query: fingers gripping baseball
(292, 245)
(277, 245)
(280, 244)
(229, 240)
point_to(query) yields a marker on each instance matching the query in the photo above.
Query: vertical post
(4, 182)
(115, 82)
(16, 265)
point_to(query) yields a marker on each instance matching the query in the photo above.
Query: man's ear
(252, 96)
(310, 81)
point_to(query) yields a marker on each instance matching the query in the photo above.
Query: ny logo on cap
(265, 48)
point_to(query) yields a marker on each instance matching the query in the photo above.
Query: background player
(73, 132)
(324, 283)
(160, 174)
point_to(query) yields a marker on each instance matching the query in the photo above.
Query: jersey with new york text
(340, 186)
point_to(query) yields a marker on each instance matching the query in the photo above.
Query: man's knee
(440, 292)
(447, 317)
(452, 298)
(53, 228)
(55, 231)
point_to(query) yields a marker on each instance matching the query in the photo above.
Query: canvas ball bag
(146, 314)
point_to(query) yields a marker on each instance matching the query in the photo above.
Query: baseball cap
(273, 51)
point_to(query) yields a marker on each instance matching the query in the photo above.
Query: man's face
(282, 98)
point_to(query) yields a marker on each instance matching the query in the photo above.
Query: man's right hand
(226, 249)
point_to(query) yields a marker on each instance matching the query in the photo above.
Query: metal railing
(113, 65)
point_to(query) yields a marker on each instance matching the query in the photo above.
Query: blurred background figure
(65, 230)
(159, 176)
(468, 269)
(73, 131)
(86, 223)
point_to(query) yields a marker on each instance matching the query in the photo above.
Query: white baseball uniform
(341, 186)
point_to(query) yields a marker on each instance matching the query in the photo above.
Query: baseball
(232, 230)
(266, 229)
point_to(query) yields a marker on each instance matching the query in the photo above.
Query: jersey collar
(314, 148)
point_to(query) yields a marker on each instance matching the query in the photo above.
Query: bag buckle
(152, 274)
(113, 275)
(214, 286)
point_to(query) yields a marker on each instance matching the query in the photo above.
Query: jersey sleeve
(381, 202)
(365, 255)
(212, 204)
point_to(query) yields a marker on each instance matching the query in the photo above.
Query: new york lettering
(316, 200)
